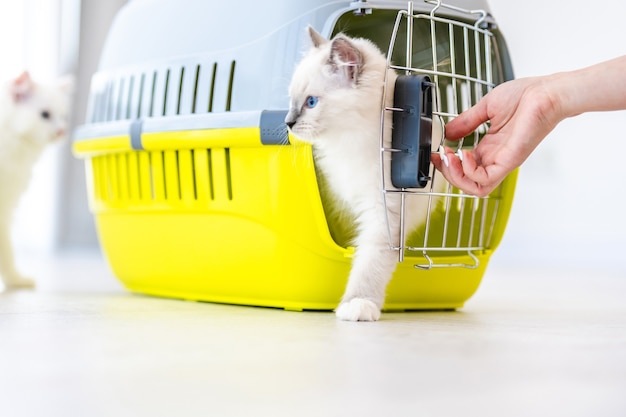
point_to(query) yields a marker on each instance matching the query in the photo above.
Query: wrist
(564, 89)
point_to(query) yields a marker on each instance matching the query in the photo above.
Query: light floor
(537, 341)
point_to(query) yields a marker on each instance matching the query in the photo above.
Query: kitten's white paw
(358, 309)
(19, 282)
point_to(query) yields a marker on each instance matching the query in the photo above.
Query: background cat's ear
(316, 38)
(346, 60)
(22, 87)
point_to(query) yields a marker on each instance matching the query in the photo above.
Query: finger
(468, 121)
(471, 168)
(453, 173)
(467, 176)
(485, 177)
(436, 160)
(459, 178)
(439, 158)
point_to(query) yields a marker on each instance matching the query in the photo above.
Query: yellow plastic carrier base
(198, 194)
(190, 218)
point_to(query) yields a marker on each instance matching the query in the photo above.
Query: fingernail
(444, 158)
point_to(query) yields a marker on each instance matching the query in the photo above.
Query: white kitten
(336, 94)
(32, 115)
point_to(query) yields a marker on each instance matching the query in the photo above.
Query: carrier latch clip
(412, 131)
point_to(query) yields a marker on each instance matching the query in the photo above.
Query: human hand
(521, 113)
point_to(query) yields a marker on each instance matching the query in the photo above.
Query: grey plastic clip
(135, 134)
(273, 127)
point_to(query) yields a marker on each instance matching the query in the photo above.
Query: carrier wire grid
(199, 194)
(464, 86)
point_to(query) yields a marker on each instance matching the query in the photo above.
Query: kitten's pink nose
(60, 132)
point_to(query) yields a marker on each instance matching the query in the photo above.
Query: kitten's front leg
(371, 271)
(8, 273)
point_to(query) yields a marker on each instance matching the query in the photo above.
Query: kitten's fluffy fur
(32, 115)
(345, 77)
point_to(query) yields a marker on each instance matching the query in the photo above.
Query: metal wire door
(459, 62)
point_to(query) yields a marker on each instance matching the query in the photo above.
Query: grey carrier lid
(178, 60)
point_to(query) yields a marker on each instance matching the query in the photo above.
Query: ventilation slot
(229, 180)
(231, 79)
(212, 88)
(129, 101)
(195, 89)
(140, 100)
(152, 92)
(167, 84)
(119, 100)
(209, 170)
(180, 89)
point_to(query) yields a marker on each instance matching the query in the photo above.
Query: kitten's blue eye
(311, 101)
(45, 114)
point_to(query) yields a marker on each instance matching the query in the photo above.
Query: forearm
(601, 87)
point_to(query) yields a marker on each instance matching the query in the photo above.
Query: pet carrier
(197, 190)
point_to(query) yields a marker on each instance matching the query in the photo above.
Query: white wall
(571, 196)
(45, 37)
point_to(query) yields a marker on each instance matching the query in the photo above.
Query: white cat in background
(336, 94)
(32, 115)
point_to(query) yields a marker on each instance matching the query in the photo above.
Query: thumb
(468, 121)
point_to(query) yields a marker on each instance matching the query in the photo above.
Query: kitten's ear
(316, 38)
(22, 87)
(346, 60)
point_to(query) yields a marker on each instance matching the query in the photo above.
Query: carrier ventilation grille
(171, 91)
(185, 176)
